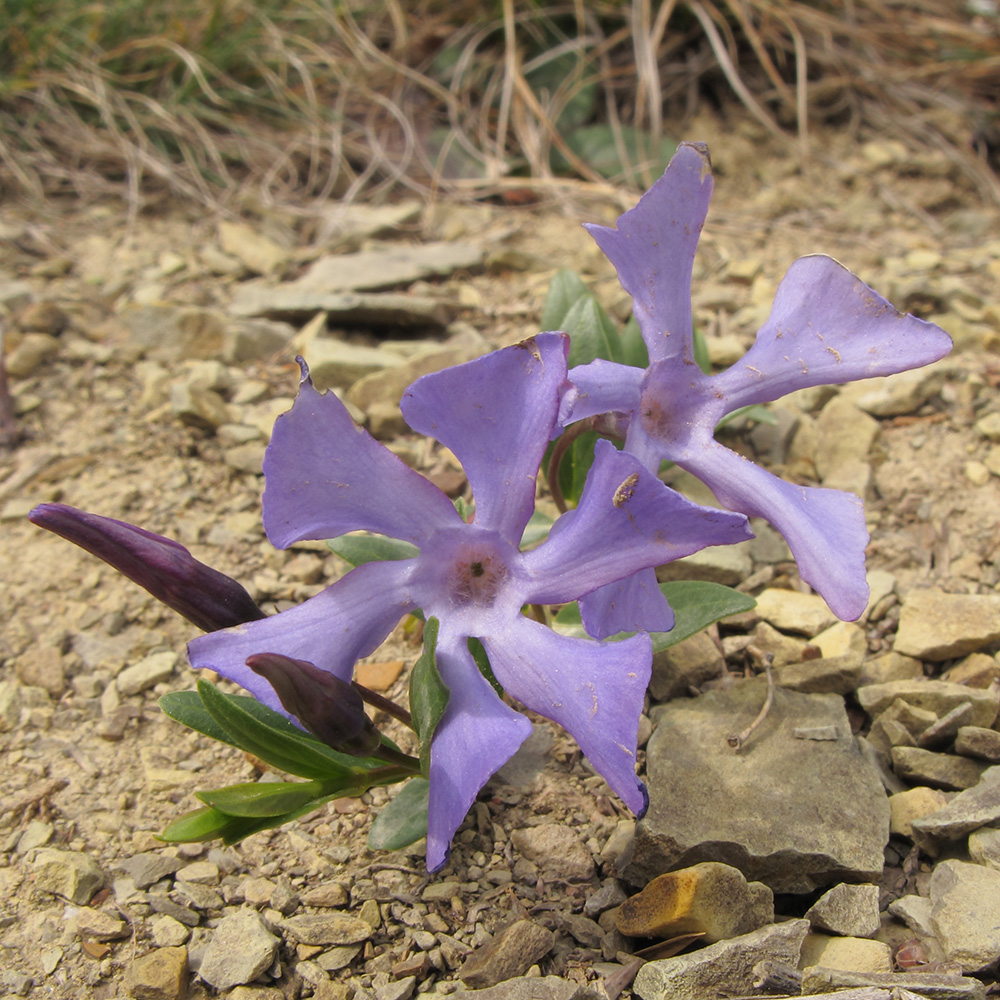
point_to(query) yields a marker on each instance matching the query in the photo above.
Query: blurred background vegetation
(294, 100)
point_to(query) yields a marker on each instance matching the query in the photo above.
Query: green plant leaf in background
(536, 530)
(366, 548)
(428, 695)
(403, 821)
(596, 145)
(254, 799)
(565, 289)
(695, 603)
(592, 334)
(634, 351)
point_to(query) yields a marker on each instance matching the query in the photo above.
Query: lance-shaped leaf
(326, 706)
(428, 695)
(404, 820)
(206, 597)
(263, 798)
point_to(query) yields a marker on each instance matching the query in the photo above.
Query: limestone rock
(511, 953)
(687, 664)
(535, 988)
(975, 807)
(790, 611)
(709, 898)
(241, 949)
(850, 954)
(847, 910)
(328, 928)
(722, 969)
(801, 813)
(978, 670)
(939, 697)
(966, 913)
(147, 673)
(337, 364)
(935, 625)
(904, 392)
(556, 849)
(914, 803)
(70, 874)
(160, 975)
(890, 666)
(829, 675)
(975, 741)
(984, 847)
(939, 770)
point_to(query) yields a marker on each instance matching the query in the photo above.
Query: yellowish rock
(709, 898)
(848, 954)
(914, 803)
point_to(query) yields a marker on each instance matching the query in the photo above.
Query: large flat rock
(794, 814)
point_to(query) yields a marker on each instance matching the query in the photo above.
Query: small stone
(890, 666)
(842, 639)
(441, 892)
(989, 426)
(847, 910)
(36, 834)
(328, 928)
(337, 364)
(42, 666)
(332, 894)
(978, 670)
(685, 665)
(167, 932)
(976, 472)
(160, 975)
(258, 253)
(379, 676)
(722, 969)
(975, 807)
(790, 611)
(96, 925)
(202, 872)
(147, 868)
(241, 949)
(966, 913)
(934, 625)
(556, 849)
(785, 649)
(247, 457)
(531, 988)
(974, 741)
(938, 697)
(71, 874)
(914, 803)
(43, 317)
(709, 898)
(939, 770)
(147, 673)
(30, 354)
(833, 675)
(915, 912)
(511, 953)
(902, 393)
(984, 847)
(850, 954)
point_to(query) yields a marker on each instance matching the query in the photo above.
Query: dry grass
(303, 100)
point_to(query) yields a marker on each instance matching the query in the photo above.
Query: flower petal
(825, 529)
(827, 327)
(627, 520)
(594, 690)
(477, 735)
(496, 414)
(635, 604)
(603, 387)
(653, 250)
(346, 621)
(326, 476)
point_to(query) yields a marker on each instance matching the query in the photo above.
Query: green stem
(389, 707)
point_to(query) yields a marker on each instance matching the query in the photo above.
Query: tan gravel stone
(935, 625)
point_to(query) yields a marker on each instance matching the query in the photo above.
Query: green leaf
(634, 350)
(483, 663)
(700, 347)
(404, 820)
(428, 695)
(755, 411)
(187, 708)
(255, 728)
(565, 290)
(366, 548)
(695, 603)
(210, 824)
(592, 335)
(536, 531)
(596, 145)
(265, 798)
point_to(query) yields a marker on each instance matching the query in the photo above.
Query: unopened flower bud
(206, 597)
(326, 706)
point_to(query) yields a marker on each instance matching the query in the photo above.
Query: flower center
(476, 575)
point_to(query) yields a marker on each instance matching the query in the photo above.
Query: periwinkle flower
(826, 327)
(325, 477)
(206, 597)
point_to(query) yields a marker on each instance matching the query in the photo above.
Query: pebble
(167, 932)
(202, 872)
(847, 910)
(790, 611)
(96, 925)
(683, 666)
(911, 804)
(332, 894)
(337, 364)
(147, 673)
(556, 849)
(975, 741)
(534, 988)
(42, 666)
(939, 697)
(977, 806)
(890, 666)
(984, 847)
(827, 816)
(939, 770)
(241, 949)
(160, 975)
(252, 248)
(328, 928)
(849, 954)
(721, 969)
(510, 954)
(935, 625)
(976, 472)
(978, 670)
(70, 874)
(146, 868)
(30, 354)
(710, 898)
(965, 912)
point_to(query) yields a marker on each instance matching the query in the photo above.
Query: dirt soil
(99, 436)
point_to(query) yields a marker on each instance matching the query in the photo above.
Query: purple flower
(162, 566)
(325, 476)
(826, 326)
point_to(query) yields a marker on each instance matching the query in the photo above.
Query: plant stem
(387, 706)
(555, 461)
(737, 741)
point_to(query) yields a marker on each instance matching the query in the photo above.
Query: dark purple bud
(162, 566)
(326, 706)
